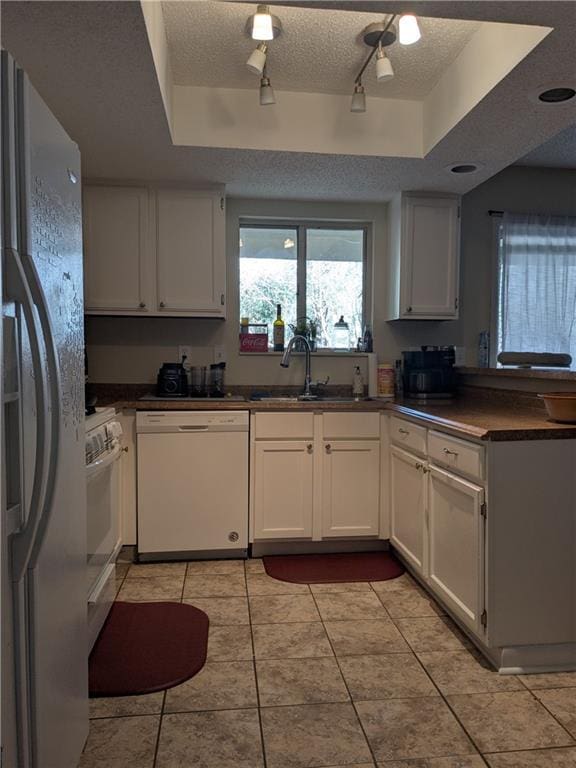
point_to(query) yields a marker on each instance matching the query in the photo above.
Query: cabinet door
(117, 269)
(350, 488)
(190, 253)
(456, 544)
(408, 506)
(429, 269)
(283, 489)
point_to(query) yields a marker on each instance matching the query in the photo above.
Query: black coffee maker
(428, 374)
(172, 380)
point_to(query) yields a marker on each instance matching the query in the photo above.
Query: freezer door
(49, 566)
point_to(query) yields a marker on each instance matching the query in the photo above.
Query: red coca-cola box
(253, 342)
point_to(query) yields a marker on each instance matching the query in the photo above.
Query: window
(316, 272)
(537, 284)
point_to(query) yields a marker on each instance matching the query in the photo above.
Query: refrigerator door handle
(17, 288)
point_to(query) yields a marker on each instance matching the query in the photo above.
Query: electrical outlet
(185, 350)
(219, 354)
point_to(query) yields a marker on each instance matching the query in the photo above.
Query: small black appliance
(428, 374)
(172, 380)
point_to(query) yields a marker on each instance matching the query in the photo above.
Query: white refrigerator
(44, 675)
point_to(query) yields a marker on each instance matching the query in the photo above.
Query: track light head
(263, 25)
(408, 29)
(384, 69)
(257, 60)
(358, 103)
(266, 92)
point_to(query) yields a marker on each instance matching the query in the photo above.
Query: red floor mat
(147, 647)
(333, 568)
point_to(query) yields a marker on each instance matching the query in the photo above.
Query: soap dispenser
(357, 383)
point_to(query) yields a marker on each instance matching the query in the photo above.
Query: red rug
(147, 647)
(333, 568)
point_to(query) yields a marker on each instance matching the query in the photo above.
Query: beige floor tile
(121, 742)
(350, 606)
(462, 761)
(291, 641)
(229, 644)
(120, 706)
(214, 567)
(262, 584)
(145, 570)
(433, 634)
(410, 728)
(538, 758)
(121, 569)
(222, 611)
(550, 680)
(300, 681)
(562, 703)
(313, 735)
(508, 721)
(344, 586)
(280, 609)
(225, 739)
(254, 565)
(404, 583)
(409, 604)
(358, 638)
(153, 588)
(219, 685)
(466, 672)
(388, 676)
(217, 585)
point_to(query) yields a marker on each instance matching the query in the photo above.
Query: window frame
(301, 226)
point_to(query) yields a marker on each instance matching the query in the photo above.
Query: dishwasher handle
(192, 428)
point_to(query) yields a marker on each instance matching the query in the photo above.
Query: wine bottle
(278, 330)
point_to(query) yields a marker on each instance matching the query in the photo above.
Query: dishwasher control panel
(192, 421)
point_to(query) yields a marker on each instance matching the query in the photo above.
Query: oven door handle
(100, 465)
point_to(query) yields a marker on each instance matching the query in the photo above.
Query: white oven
(103, 453)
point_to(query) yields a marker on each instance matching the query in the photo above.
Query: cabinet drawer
(408, 435)
(351, 425)
(278, 426)
(461, 456)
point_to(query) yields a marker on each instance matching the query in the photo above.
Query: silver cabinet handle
(125, 449)
(328, 448)
(408, 309)
(419, 466)
(162, 305)
(142, 304)
(448, 452)
(403, 431)
(310, 448)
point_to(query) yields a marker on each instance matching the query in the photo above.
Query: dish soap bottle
(279, 330)
(341, 335)
(357, 383)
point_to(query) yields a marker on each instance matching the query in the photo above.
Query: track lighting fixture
(266, 92)
(358, 103)
(257, 60)
(263, 25)
(384, 70)
(408, 29)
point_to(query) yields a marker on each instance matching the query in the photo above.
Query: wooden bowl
(561, 406)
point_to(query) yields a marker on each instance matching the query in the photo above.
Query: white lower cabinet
(408, 507)
(283, 489)
(315, 476)
(350, 488)
(456, 544)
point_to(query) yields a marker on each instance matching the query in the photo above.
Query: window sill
(316, 353)
(558, 374)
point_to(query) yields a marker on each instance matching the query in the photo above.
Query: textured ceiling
(558, 152)
(319, 51)
(91, 61)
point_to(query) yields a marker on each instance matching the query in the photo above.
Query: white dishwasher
(192, 484)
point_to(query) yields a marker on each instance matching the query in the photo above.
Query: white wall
(132, 349)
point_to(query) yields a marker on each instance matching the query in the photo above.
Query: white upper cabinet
(190, 253)
(423, 258)
(117, 274)
(157, 252)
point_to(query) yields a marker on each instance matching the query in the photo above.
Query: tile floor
(357, 675)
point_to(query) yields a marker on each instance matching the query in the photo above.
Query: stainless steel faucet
(285, 362)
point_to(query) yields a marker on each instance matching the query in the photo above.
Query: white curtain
(537, 284)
